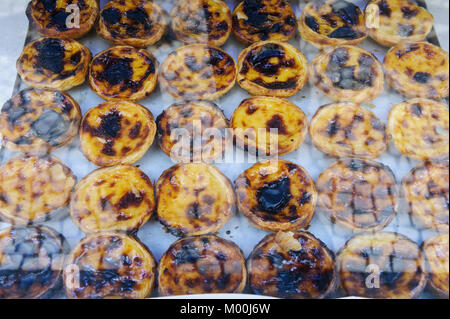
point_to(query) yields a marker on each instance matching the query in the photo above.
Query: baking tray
(238, 230)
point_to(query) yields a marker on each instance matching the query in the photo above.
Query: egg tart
(294, 265)
(201, 21)
(31, 261)
(419, 128)
(272, 68)
(59, 64)
(348, 129)
(202, 265)
(276, 196)
(269, 125)
(398, 21)
(194, 199)
(381, 265)
(417, 69)
(426, 190)
(436, 253)
(332, 23)
(263, 20)
(347, 73)
(123, 73)
(33, 189)
(357, 194)
(63, 18)
(116, 198)
(109, 265)
(117, 132)
(139, 23)
(39, 120)
(198, 71)
(193, 131)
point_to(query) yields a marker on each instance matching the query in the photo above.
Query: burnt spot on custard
(50, 55)
(346, 77)
(35, 251)
(109, 127)
(384, 8)
(274, 196)
(111, 15)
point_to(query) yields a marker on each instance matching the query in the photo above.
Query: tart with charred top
(382, 265)
(348, 129)
(272, 68)
(332, 23)
(358, 194)
(269, 125)
(419, 128)
(198, 71)
(194, 199)
(202, 264)
(276, 195)
(117, 132)
(33, 189)
(426, 190)
(59, 64)
(293, 265)
(123, 73)
(31, 261)
(201, 21)
(436, 253)
(38, 120)
(418, 69)
(139, 23)
(193, 131)
(50, 17)
(116, 198)
(109, 265)
(347, 73)
(400, 21)
(263, 20)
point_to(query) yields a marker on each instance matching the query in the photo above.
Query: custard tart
(347, 73)
(63, 18)
(116, 198)
(139, 23)
(194, 199)
(202, 265)
(294, 265)
(382, 265)
(419, 128)
(436, 253)
(39, 120)
(264, 20)
(397, 21)
(117, 132)
(123, 73)
(272, 68)
(418, 69)
(357, 194)
(201, 21)
(198, 71)
(109, 265)
(31, 261)
(59, 64)
(426, 191)
(269, 125)
(193, 131)
(348, 129)
(276, 196)
(33, 189)
(332, 23)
